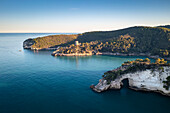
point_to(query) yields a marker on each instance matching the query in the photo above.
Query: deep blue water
(36, 82)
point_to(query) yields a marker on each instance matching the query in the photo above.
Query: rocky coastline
(27, 44)
(110, 54)
(132, 54)
(73, 54)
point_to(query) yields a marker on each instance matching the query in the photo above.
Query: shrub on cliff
(134, 66)
(167, 83)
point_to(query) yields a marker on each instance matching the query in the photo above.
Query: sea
(36, 82)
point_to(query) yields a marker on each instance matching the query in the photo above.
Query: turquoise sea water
(36, 82)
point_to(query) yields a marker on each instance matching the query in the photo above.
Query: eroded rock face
(27, 44)
(101, 86)
(149, 80)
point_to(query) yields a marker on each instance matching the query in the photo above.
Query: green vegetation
(53, 40)
(160, 61)
(167, 83)
(134, 66)
(137, 61)
(166, 26)
(121, 44)
(154, 40)
(97, 46)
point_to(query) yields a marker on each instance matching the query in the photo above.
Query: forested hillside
(53, 40)
(166, 26)
(139, 39)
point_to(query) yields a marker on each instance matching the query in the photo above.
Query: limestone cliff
(147, 80)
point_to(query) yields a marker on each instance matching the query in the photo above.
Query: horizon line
(95, 30)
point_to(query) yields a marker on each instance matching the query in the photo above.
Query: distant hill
(155, 40)
(166, 26)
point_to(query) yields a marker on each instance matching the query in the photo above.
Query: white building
(77, 43)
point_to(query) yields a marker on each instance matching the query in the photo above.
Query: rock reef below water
(147, 80)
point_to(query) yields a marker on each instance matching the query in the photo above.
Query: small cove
(32, 82)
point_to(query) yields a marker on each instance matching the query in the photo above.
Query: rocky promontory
(141, 75)
(27, 44)
(152, 42)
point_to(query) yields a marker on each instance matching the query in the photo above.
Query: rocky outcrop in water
(146, 80)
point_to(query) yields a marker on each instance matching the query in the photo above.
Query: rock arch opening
(125, 83)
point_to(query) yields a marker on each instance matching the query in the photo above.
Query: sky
(77, 16)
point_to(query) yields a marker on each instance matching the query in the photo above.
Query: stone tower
(76, 43)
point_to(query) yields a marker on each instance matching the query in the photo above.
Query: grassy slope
(53, 40)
